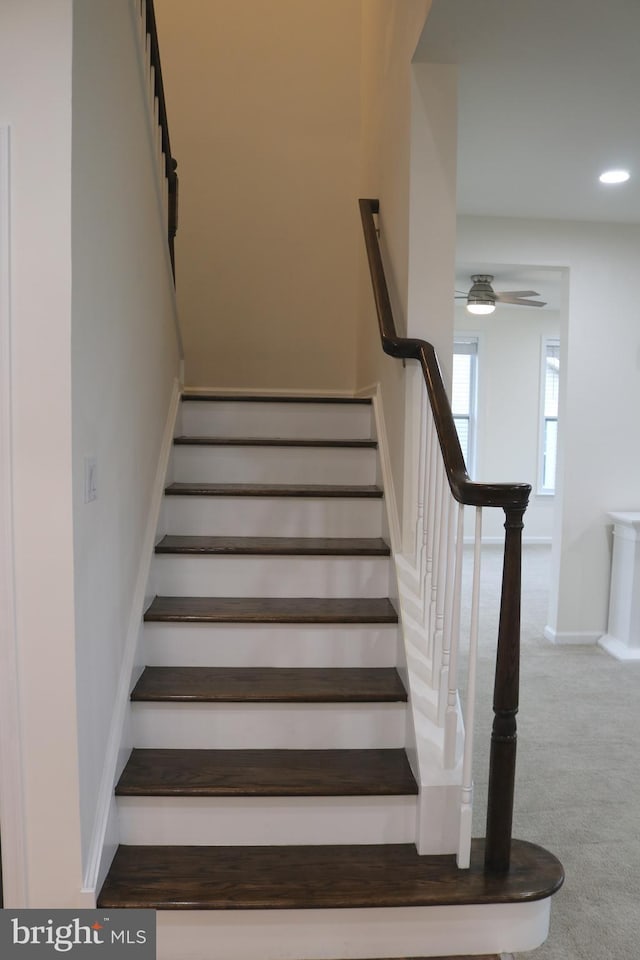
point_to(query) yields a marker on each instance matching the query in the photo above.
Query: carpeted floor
(578, 779)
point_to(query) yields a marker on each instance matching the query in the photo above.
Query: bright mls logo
(81, 934)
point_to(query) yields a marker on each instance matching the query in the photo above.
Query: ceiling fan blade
(521, 301)
(516, 293)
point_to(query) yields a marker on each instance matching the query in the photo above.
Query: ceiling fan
(482, 298)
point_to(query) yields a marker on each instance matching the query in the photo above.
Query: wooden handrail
(513, 499)
(463, 489)
(171, 164)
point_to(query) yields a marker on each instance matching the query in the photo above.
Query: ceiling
(549, 97)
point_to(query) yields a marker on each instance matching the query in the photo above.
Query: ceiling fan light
(480, 308)
(614, 176)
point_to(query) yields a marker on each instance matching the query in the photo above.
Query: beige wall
(282, 113)
(264, 108)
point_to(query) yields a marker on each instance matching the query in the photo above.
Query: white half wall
(125, 358)
(599, 462)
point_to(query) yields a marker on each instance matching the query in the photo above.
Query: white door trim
(12, 824)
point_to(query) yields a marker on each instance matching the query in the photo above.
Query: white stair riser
(306, 421)
(270, 576)
(351, 934)
(200, 464)
(270, 645)
(266, 820)
(272, 517)
(264, 726)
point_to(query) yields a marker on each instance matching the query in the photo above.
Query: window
(550, 387)
(463, 395)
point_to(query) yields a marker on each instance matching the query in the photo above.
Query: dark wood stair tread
(271, 610)
(189, 441)
(310, 490)
(385, 875)
(262, 398)
(270, 685)
(275, 546)
(266, 773)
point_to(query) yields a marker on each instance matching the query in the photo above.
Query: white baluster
(466, 800)
(451, 713)
(448, 609)
(435, 555)
(422, 458)
(430, 514)
(443, 551)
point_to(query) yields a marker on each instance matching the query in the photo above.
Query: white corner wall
(600, 460)
(125, 359)
(509, 365)
(390, 32)
(432, 246)
(35, 104)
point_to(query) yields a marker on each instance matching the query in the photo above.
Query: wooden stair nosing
(311, 491)
(267, 773)
(270, 610)
(274, 546)
(269, 685)
(214, 397)
(206, 441)
(315, 877)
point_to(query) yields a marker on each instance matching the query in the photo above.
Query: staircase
(269, 809)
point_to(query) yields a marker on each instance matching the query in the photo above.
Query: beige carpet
(578, 780)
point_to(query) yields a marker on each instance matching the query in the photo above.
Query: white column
(622, 639)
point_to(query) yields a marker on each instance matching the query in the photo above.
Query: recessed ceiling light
(614, 176)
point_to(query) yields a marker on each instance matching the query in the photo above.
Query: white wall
(599, 467)
(124, 355)
(508, 432)
(35, 101)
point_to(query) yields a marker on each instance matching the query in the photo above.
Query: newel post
(502, 764)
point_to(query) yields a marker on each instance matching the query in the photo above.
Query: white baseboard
(368, 391)
(270, 392)
(104, 835)
(568, 637)
(352, 933)
(618, 649)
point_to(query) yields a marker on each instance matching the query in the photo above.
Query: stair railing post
(502, 763)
